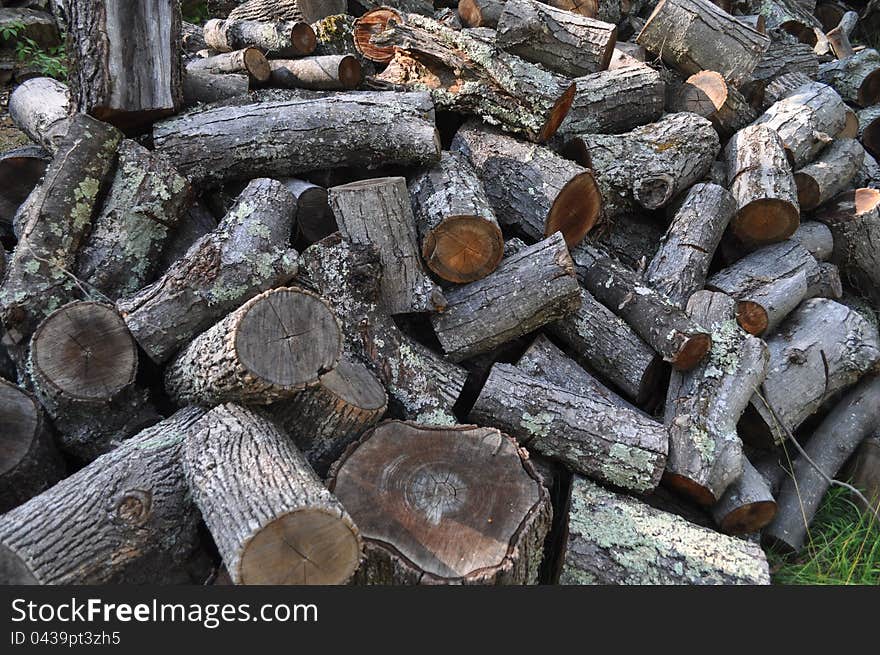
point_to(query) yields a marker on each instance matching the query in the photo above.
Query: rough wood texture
(617, 539)
(704, 405)
(533, 190)
(869, 129)
(247, 60)
(695, 35)
(781, 59)
(378, 212)
(830, 174)
(206, 87)
(562, 41)
(247, 254)
(126, 518)
(461, 239)
(275, 39)
(761, 180)
(40, 107)
(748, 504)
(328, 72)
(275, 10)
(29, 461)
(679, 268)
(269, 349)
(444, 505)
(270, 516)
(589, 433)
(125, 65)
(309, 133)
(707, 94)
(820, 350)
(51, 226)
(854, 418)
(480, 13)
(488, 313)
(21, 170)
(856, 78)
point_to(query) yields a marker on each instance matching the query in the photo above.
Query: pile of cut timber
(478, 292)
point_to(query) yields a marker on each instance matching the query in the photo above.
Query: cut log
(330, 72)
(704, 405)
(51, 227)
(269, 349)
(335, 36)
(663, 325)
(708, 95)
(854, 418)
(695, 35)
(314, 218)
(590, 434)
(480, 13)
(270, 516)
(650, 165)
(247, 254)
(617, 539)
(206, 87)
(830, 174)
(378, 212)
(275, 39)
(125, 518)
(125, 65)
(748, 504)
(280, 10)
(451, 505)
(356, 129)
(21, 170)
(562, 41)
(762, 182)
(615, 101)
(869, 129)
(485, 314)
(856, 78)
(248, 60)
(820, 350)
(461, 239)
(864, 472)
(679, 268)
(783, 86)
(532, 190)
(328, 417)
(29, 461)
(40, 107)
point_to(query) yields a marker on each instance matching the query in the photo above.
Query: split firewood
(460, 236)
(269, 349)
(21, 170)
(707, 94)
(309, 133)
(532, 190)
(126, 518)
(283, 10)
(443, 505)
(480, 13)
(869, 129)
(485, 314)
(679, 268)
(854, 418)
(125, 65)
(820, 350)
(29, 463)
(378, 212)
(248, 60)
(649, 165)
(275, 39)
(839, 36)
(247, 254)
(330, 72)
(695, 35)
(51, 227)
(854, 219)
(856, 78)
(704, 405)
(314, 218)
(206, 87)
(270, 516)
(40, 107)
(748, 504)
(617, 539)
(831, 173)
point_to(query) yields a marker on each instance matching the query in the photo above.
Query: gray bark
(40, 107)
(748, 504)
(856, 78)
(830, 174)
(275, 39)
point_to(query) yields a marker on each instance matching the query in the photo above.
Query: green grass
(843, 547)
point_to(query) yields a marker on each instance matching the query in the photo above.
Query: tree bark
(275, 39)
(707, 94)
(247, 60)
(270, 516)
(206, 87)
(329, 72)
(40, 107)
(356, 129)
(617, 539)
(21, 170)
(748, 504)
(127, 518)
(281, 10)
(869, 129)
(247, 254)
(856, 78)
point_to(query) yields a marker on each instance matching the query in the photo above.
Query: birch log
(275, 39)
(40, 107)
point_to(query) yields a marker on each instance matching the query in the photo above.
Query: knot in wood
(435, 492)
(134, 507)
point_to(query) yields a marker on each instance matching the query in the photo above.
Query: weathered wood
(422, 496)
(485, 314)
(591, 434)
(856, 78)
(329, 72)
(480, 13)
(247, 60)
(275, 39)
(308, 133)
(707, 94)
(830, 174)
(864, 472)
(748, 504)
(826, 282)
(869, 129)
(280, 10)
(532, 190)
(21, 170)
(617, 539)
(40, 107)
(206, 87)
(247, 254)
(125, 518)
(270, 516)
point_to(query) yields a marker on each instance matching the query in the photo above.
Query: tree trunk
(247, 254)
(330, 72)
(617, 539)
(461, 239)
(708, 95)
(248, 60)
(748, 504)
(40, 107)
(206, 87)
(356, 129)
(532, 190)
(125, 65)
(485, 314)
(21, 170)
(127, 518)
(856, 78)
(480, 13)
(830, 174)
(270, 516)
(275, 39)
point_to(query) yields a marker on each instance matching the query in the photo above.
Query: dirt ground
(10, 137)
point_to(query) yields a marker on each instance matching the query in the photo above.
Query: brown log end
(752, 317)
(303, 39)
(808, 191)
(692, 351)
(350, 72)
(257, 65)
(471, 13)
(20, 417)
(703, 93)
(370, 24)
(749, 518)
(869, 89)
(463, 248)
(576, 209)
(849, 206)
(851, 127)
(689, 489)
(559, 112)
(766, 220)
(871, 137)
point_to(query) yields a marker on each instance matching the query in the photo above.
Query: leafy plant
(50, 61)
(10, 31)
(196, 12)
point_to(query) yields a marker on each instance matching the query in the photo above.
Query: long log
(275, 39)
(328, 72)
(40, 107)
(830, 174)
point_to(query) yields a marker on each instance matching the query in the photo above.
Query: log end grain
(367, 26)
(749, 518)
(463, 248)
(692, 351)
(576, 209)
(766, 220)
(256, 64)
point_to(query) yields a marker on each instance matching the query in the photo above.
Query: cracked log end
(464, 248)
(367, 26)
(576, 209)
(766, 220)
(752, 317)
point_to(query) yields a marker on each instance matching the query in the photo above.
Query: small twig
(80, 284)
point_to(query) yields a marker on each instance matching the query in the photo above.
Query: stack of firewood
(477, 292)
